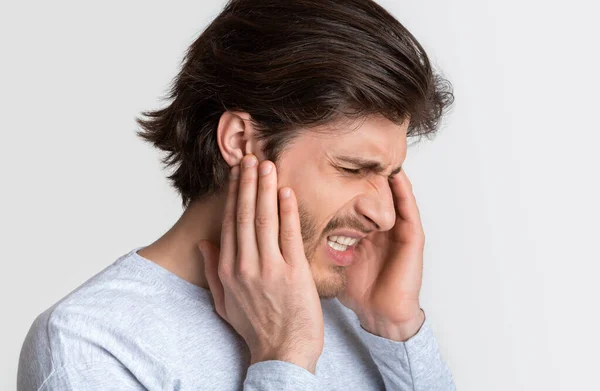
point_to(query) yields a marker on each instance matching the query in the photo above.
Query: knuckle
(247, 179)
(244, 215)
(266, 183)
(245, 273)
(244, 269)
(287, 234)
(262, 221)
(228, 220)
(224, 272)
(270, 273)
(285, 208)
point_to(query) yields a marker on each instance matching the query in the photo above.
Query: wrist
(400, 332)
(308, 363)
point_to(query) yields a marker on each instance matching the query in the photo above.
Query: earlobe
(235, 136)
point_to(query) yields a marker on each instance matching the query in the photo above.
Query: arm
(383, 287)
(413, 364)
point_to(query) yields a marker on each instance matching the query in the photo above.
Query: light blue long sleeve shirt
(137, 326)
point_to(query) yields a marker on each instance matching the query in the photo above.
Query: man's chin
(330, 289)
(330, 280)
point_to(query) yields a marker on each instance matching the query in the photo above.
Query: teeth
(343, 240)
(337, 246)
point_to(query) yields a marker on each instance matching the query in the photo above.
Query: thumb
(210, 254)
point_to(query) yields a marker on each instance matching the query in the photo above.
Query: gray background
(508, 191)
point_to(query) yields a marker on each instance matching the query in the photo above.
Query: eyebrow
(366, 164)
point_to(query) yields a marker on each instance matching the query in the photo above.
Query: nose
(377, 204)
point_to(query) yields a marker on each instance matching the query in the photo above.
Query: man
(297, 262)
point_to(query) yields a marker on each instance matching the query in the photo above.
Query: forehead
(373, 137)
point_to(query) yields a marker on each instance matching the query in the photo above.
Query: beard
(330, 279)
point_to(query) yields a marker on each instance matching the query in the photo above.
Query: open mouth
(341, 243)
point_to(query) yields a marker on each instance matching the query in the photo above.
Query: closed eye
(351, 170)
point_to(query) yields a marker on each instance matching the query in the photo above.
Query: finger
(405, 201)
(210, 255)
(228, 243)
(267, 224)
(246, 207)
(292, 247)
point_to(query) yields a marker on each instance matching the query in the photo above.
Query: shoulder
(98, 322)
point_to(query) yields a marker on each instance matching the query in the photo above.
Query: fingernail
(285, 193)
(265, 168)
(249, 161)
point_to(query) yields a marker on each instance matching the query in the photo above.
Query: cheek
(322, 196)
(328, 199)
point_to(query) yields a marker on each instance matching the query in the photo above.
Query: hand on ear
(236, 137)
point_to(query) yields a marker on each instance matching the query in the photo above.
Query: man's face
(335, 202)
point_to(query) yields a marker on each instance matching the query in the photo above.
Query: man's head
(320, 87)
(340, 177)
(339, 174)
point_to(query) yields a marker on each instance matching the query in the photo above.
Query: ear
(236, 137)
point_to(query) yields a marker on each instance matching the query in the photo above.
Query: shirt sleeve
(279, 375)
(90, 376)
(414, 365)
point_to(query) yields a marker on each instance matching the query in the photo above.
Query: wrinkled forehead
(370, 137)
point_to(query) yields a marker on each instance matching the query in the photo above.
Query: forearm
(408, 364)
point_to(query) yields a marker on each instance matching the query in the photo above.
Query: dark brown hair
(290, 64)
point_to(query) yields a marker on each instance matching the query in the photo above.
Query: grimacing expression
(340, 178)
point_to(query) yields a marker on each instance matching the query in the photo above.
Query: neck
(176, 250)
